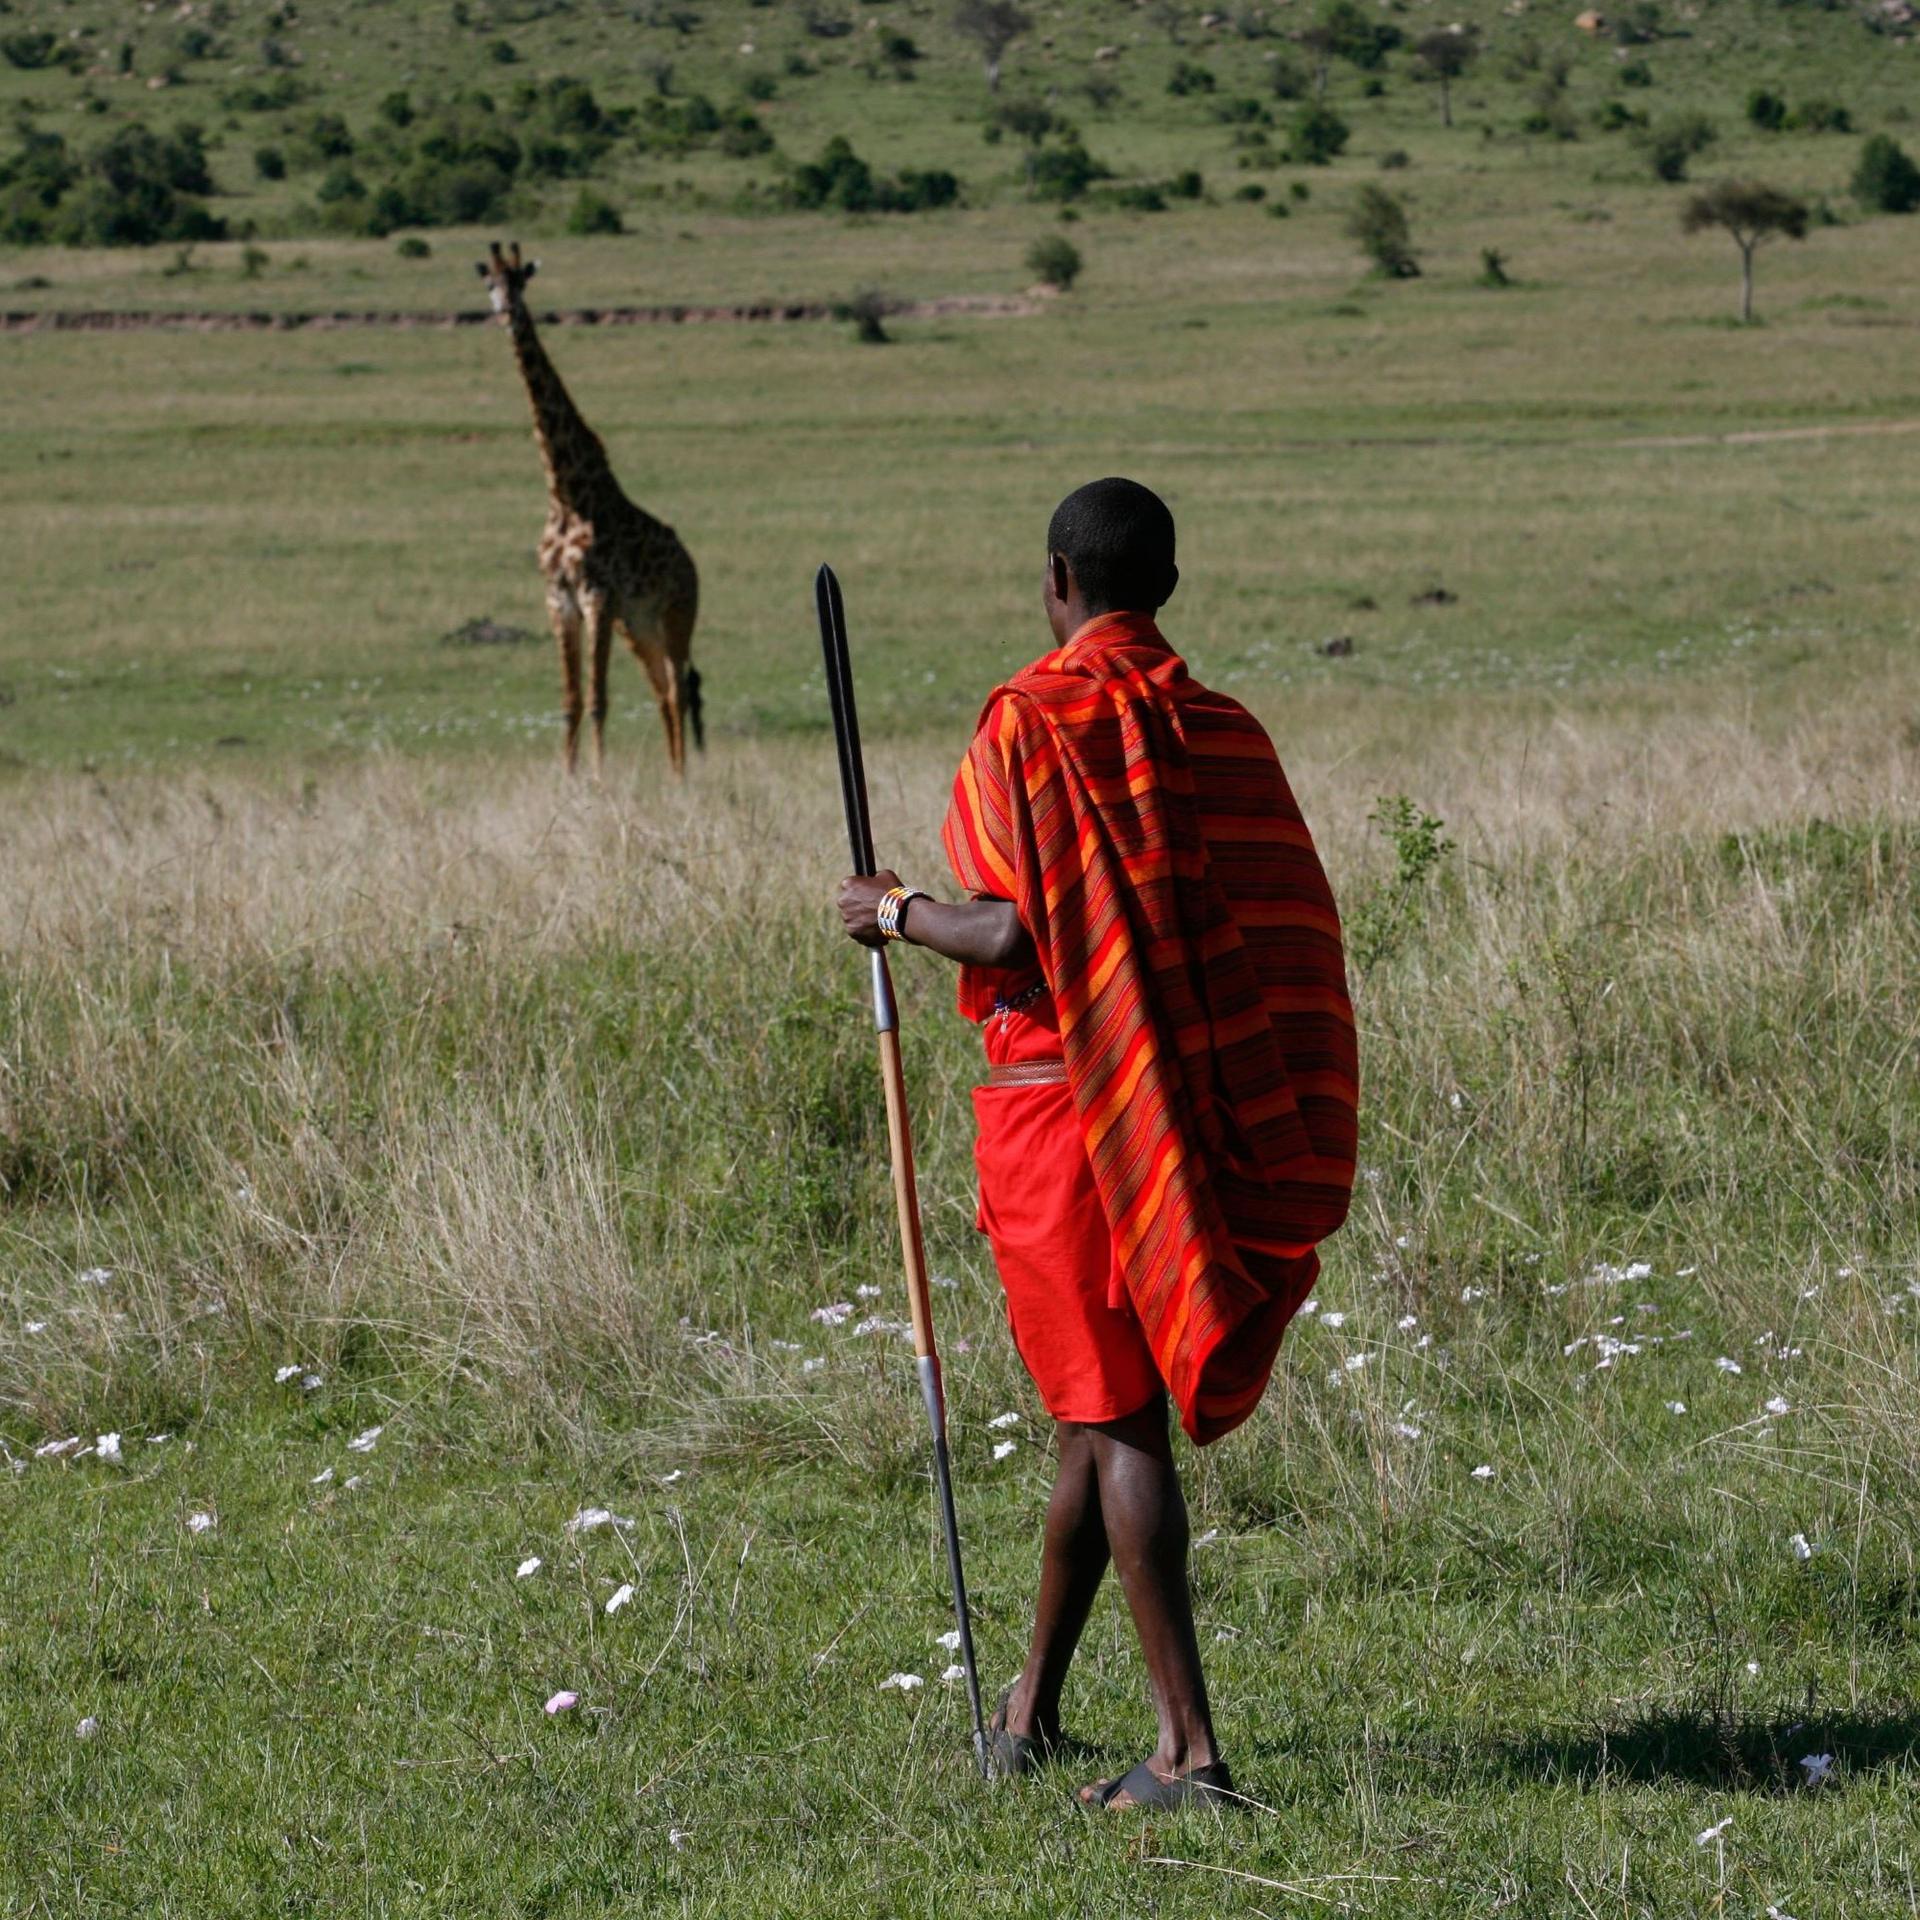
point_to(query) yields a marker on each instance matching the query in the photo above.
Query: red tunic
(1144, 830)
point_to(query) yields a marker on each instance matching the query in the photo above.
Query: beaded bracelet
(893, 906)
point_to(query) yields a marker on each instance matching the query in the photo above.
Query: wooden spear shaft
(886, 1020)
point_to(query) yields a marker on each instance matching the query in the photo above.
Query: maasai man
(1167, 1128)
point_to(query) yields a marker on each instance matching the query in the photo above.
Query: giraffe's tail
(692, 705)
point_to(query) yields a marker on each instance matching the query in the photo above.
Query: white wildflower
(1778, 1405)
(95, 1276)
(1309, 1306)
(866, 1293)
(1687, 1273)
(321, 1478)
(784, 1346)
(1004, 1420)
(1676, 1406)
(947, 1282)
(1333, 1320)
(619, 1597)
(954, 1672)
(591, 1519)
(1468, 1294)
(1728, 1366)
(902, 1682)
(814, 1364)
(354, 1480)
(1712, 1833)
(950, 1640)
(107, 1448)
(311, 1383)
(1208, 1538)
(678, 1837)
(879, 1323)
(365, 1442)
(527, 1567)
(1355, 1361)
(90, 1726)
(36, 1326)
(53, 1449)
(1002, 1448)
(1801, 1546)
(1406, 1430)
(281, 1375)
(1407, 1322)
(201, 1523)
(1818, 1767)
(1483, 1473)
(562, 1701)
(1753, 1669)
(833, 1316)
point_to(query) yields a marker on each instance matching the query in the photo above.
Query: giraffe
(607, 564)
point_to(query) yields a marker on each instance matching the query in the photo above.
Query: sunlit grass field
(358, 1073)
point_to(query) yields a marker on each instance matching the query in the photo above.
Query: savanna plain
(446, 1250)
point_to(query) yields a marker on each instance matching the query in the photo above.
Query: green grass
(539, 1120)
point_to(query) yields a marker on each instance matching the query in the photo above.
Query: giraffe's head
(506, 276)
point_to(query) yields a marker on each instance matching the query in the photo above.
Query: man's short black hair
(1118, 538)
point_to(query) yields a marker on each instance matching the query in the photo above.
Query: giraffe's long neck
(576, 462)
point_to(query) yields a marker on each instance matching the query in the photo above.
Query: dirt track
(84, 320)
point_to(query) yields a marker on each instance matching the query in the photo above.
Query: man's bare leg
(1145, 1515)
(1074, 1560)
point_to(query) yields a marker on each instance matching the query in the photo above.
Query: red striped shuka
(1145, 833)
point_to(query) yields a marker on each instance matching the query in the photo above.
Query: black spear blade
(846, 723)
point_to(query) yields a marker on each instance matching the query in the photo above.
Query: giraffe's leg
(652, 654)
(600, 629)
(678, 622)
(564, 611)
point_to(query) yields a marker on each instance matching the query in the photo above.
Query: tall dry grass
(557, 1102)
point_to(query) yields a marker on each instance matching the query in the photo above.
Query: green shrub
(1673, 142)
(593, 213)
(269, 163)
(1617, 116)
(1636, 73)
(1378, 222)
(1317, 136)
(742, 136)
(1189, 78)
(397, 109)
(30, 51)
(413, 248)
(1821, 116)
(1055, 260)
(760, 86)
(1253, 191)
(340, 183)
(1886, 179)
(1141, 197)
(1766, 110)
(503, 53)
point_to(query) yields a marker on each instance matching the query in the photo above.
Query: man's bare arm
(981, 933)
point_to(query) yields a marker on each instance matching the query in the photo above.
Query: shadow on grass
(1693, 1747)
(1701, 1748)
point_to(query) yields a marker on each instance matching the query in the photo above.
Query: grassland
(536, 1122)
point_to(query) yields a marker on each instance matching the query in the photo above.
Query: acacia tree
(1753, 214)
(1446, 55)
(993, 26)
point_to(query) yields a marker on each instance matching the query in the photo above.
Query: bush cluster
(133, 189)
(842, 181)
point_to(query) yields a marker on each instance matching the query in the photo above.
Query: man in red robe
(1168, 1125)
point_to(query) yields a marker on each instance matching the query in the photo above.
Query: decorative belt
(1028, 1073)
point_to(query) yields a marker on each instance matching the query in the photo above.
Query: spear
(886, 1021)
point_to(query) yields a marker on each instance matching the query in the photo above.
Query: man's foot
(1018, 1740)
(1147, 1786)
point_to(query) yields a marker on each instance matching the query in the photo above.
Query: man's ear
(1060, 572)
